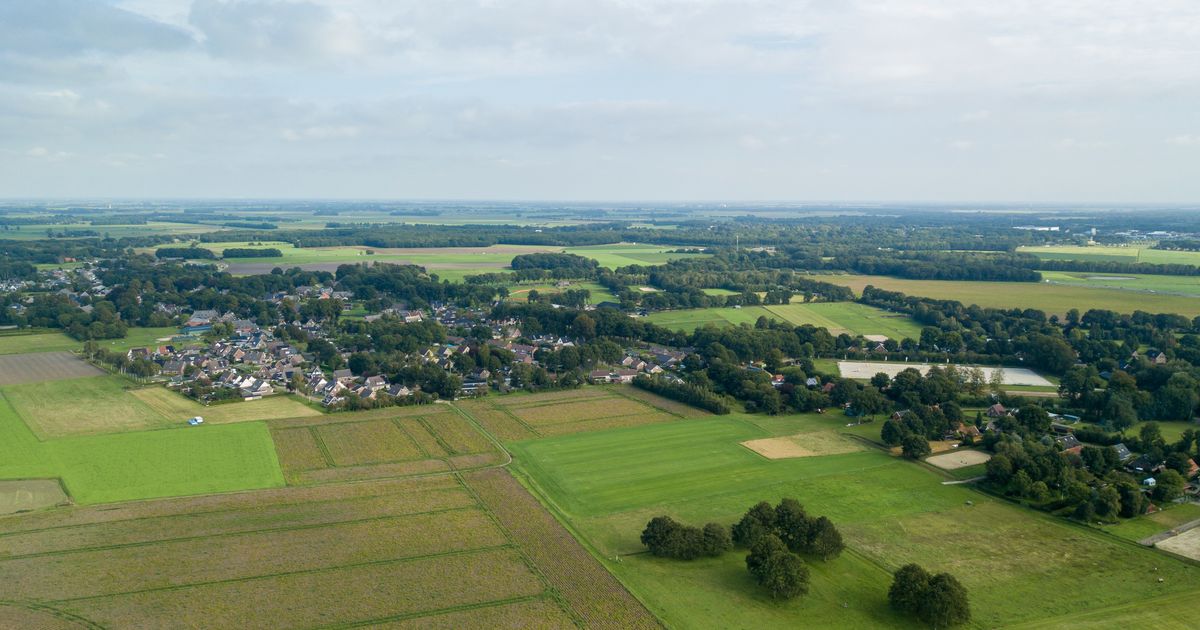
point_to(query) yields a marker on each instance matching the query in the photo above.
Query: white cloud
(1185, 140)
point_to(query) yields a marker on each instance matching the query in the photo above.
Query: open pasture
(1114, 253)
(389, 442)
(616, 255)
(867, 369)
(139, 465)
(608, 484)
(25, 342)
(1054, 299)
(43, 367)
(838, 317)
(597, 292)
(391, 553)
(177, 408)
(1140, 282)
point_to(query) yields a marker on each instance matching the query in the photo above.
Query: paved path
(961, 481)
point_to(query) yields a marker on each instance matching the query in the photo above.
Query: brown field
(533, 613)
(590, 590)
(377, 471)
(371, 442)
(385, 413)
(803, 445)
(959, 459)
(1186, 544)
(548, 414)
(457, 433)
(498, 422)
(30, 494)
(601, 424)
(43, 366)
(393, 553)
(298, 449)
(428, 442)
(541, 398)
(665, 404)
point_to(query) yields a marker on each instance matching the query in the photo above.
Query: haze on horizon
(1018, 101)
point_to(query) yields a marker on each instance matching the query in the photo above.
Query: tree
(824, 540)
(892, 433)
(944, 603)
(716, 540)
(1133, 502)
(868, 402)
(792, 524)
(908, 588)
(780, 571)
(658, 532)
(758, 520)
(1179, 462)
(1168, 486)
(1151, 435)
(1034, 419)
(915, 446)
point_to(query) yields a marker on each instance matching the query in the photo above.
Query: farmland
(102, 404)
(608, 484)
(1140, 282)
(593, 409)
(42, 367)
(139, 465)
(29, 342)
(1114, 253)
(1048, 297)
(431, 552)
(839, 317)
(389, 442)
(448, 262)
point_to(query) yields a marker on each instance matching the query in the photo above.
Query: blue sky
(602, 100)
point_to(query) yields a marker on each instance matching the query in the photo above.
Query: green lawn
(142, 465)
(1045, 296)
(606, 485)
(599, 293)
(624, 254)
(691, 319)
(1150, 524)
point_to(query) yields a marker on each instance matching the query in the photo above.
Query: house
(812, 382)
(375, 383)
(997, 411)
(1150, 482)
(1156, 357)
(1123, 453)
(1068, 442)
(1145, 464)
(624, 375)
(599, 376)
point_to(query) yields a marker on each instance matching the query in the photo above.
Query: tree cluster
(938, 600)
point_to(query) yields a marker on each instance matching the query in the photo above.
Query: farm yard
(867, 369)
(839, 317)
(607, 484)
(1052, 298)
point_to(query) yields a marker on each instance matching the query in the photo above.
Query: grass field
(608, 484)
(838, 317)
(1143, 283)
(1051, 298)
(560, 413)
(420, 553)
(140, 465)
(105, 404)
(1113, 253)
(21, 342)
(598, 293)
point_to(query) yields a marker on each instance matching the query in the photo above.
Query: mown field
(1048, 297)
(140, 465)
(106, 404)
(838, 317)
(598, 293)
(607, 484)
(1113, 253)
(1143, 283)
(25, 342)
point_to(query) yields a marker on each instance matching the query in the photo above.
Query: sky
(888, 100)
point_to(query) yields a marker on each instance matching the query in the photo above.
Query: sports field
(1113, 253)
(838, 317)
(140, 465)
(104, 404)
(1045, 296)
(608, 484)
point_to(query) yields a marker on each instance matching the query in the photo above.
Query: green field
(599, 293)
(1113, 253)
(606, 485)
(838, 317)
(1051, 298)
(25, 342)
(38, 231)
(1139, 282)
(625, 254)
(141, 465)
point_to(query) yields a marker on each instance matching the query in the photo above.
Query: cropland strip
(30, 494)
(591, 591)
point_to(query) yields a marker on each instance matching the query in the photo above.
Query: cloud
(60, 28)
(1185, 140)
